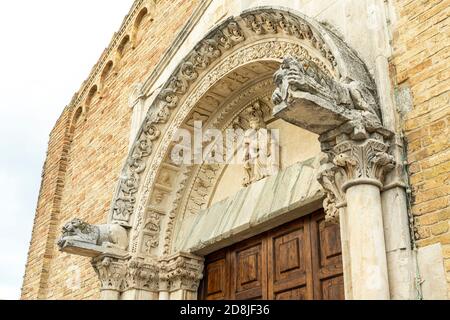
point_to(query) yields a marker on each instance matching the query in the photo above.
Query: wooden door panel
(292, 294)
(333, 288)
(288, 261)
(326, 259)
(249, 269)
(301, 260)
(214, 285)
(215, 280)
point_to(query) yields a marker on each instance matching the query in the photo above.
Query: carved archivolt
(224, 38)
(273, 50)
(235, 43)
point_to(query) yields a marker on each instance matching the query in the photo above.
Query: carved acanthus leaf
(331, 180)
(183, 271)
(349, 163)
(368, 160)
(142, 276)
(111, 272)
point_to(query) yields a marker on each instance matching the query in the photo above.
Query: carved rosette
(111, 272)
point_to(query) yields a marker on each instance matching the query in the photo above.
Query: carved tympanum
(104, 235)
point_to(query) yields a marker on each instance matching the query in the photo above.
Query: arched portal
(321, 88)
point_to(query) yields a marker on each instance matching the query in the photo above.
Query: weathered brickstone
(421, 59)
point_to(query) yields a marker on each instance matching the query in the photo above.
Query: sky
(47, 50)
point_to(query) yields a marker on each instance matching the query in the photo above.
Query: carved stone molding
(273, 50)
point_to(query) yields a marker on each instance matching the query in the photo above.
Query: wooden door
(297, 261)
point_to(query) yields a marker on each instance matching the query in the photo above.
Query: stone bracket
(89, 250)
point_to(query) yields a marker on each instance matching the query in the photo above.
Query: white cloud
(48, 49)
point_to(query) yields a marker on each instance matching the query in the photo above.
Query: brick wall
(422, 63)
(84, 157)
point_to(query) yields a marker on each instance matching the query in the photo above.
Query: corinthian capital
(142, 275)
(111, 272)
(182, 271)
(351, 162)
(364, 161)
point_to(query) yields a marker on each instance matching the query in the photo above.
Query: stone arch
(321, 85)
(274, 32)
(106, 72)
(120, 52)
(89, 98)
(77, 115)
(142, 15)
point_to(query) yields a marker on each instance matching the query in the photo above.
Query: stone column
(359, 167)
(400, 256)
(183, 272)
(111, 272)
(346, 259)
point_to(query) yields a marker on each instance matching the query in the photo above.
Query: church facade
(154, 188)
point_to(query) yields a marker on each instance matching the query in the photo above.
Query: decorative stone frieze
(168, 274)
